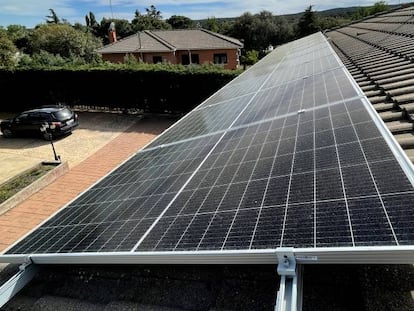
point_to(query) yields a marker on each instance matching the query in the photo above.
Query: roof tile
(170, 40)
(379, 53)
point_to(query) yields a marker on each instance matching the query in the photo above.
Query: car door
(21, 123)
(36, 121)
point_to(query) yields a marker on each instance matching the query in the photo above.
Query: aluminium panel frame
(327, 255)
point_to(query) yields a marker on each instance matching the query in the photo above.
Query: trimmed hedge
(154, 91)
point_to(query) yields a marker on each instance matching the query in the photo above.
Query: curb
(34, 187)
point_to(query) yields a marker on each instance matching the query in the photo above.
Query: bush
(160, 88)
(250, 58)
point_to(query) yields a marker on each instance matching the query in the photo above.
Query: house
(194, 46)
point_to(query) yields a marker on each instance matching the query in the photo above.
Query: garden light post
(46, 129)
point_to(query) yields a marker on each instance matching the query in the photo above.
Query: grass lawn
(11, 187)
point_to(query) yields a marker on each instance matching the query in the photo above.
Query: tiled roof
(171, 40)
(379, 53)
(133, 43)
(197, 39)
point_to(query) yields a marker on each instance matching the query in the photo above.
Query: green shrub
(250, 58)
(161, 88)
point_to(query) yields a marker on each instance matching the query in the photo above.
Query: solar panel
(289, 154)
(311, 171)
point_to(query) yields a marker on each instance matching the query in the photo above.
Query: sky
(32, 12)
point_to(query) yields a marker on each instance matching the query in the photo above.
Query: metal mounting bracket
(289, 296)
(8, 290)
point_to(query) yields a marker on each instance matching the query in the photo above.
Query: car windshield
(63, 114)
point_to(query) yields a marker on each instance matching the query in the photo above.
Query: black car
(60, 120)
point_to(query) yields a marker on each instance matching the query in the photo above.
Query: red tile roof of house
(171, 40)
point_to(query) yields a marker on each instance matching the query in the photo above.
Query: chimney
(112, 33)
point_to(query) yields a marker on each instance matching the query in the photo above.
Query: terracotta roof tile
(379, 53)
(170, 40)
(196, 39)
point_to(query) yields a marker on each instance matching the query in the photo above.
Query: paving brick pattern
(24, 217)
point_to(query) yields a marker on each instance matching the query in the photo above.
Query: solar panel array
(285, 155)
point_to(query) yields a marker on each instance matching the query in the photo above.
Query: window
(220, 58)
(156, 59)
(22, 116)
(195, 59)
(185, 60)
(63, 114)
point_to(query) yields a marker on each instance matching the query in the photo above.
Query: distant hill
(337, 12)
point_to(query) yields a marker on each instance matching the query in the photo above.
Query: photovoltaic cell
(286, 155)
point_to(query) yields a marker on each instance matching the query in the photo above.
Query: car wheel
(7, 133)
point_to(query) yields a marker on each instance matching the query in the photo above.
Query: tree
(378, 7)
(308, 23)
(153, 12)
(92, 24)
(243, 29)
(52, 18)
(91, 20)
(261, 30)
(250, 58)
(361, 13)
(80, 27)
(285, 32)
(122, 26)
(64, 40)
(180, 22)
(212, 24)
(225, 26)
(7, 51)
(151, 20)
(20, 36)
(331, 22)
(265, 30)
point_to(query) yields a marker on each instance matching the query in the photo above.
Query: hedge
(154, 91)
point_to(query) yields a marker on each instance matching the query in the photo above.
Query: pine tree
(308, 23)
(52, 18)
